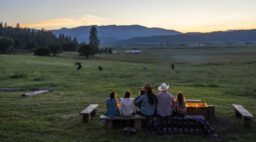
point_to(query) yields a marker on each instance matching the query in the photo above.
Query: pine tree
(94, 41)
(5, 25)
(1, 28)
(18, 26)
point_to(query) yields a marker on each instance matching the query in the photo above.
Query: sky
(180, 15)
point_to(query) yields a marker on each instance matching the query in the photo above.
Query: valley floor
(218, 76)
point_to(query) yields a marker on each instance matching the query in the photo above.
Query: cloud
(66, 22)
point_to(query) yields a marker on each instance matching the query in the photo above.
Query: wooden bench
(137, 120)
(241, 112)
(88, 112)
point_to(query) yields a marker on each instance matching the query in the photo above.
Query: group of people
(147, 103)
(163, 113)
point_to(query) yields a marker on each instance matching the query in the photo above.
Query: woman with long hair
(180, 104)
(147, 102)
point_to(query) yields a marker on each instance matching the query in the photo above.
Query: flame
(196, 104)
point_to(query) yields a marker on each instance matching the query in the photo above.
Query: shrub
(55, 48)
(5, 45)
(42, 51)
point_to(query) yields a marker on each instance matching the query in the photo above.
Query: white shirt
(127, 107)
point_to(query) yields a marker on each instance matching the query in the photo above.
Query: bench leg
(94, 113)
(137, 124)
(211, 112)
(247, 122)
(109, 124)
(87, 118)
(238, 115)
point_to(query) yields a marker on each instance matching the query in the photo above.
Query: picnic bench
(88, 112)
(137, 120)
(241, 112)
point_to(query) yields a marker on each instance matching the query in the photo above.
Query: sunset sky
(180, 15)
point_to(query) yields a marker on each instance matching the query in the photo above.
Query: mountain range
(113, 33)
(140, 35)
(212, 37)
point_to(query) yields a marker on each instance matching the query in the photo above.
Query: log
(39, 92)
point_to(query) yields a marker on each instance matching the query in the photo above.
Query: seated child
(180, 105)
(112, 105)
(142, 92)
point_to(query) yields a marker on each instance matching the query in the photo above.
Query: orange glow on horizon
(65, 22)
(181, 26)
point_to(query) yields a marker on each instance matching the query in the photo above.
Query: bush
(69, 46)
(55, 48)
(42, 51)
(5, 45)
(85, 50)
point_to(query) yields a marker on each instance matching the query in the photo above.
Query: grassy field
(218, 76)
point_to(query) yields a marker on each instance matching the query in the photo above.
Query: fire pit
(200, 108)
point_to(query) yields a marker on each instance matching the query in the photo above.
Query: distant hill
(225, 36)
(114, 33)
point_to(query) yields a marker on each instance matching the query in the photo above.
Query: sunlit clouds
(180, 15)
(66, 22)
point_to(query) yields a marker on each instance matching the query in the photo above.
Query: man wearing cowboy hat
(165, 101)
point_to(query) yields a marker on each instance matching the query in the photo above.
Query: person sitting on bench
(180, 106)
(112, 106)
(142, 92)
(165, 101)
(127, 107)
(147, 102)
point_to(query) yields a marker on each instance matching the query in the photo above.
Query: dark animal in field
(144, 68)
(173, 67)
(100, 68)
(78, 65)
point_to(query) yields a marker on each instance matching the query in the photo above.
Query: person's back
(164, 104)
(142, 92)
(146, 108)
(164, 101)
(127, 107)
(112, 106)
(180, 105)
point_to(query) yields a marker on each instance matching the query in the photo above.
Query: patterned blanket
(188, 124)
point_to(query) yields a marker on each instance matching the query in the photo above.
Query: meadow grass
(218, 76)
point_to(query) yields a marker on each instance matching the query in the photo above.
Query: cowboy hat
(163, 87)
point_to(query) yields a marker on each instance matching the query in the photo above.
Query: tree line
(45, 43)
(13, 39)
